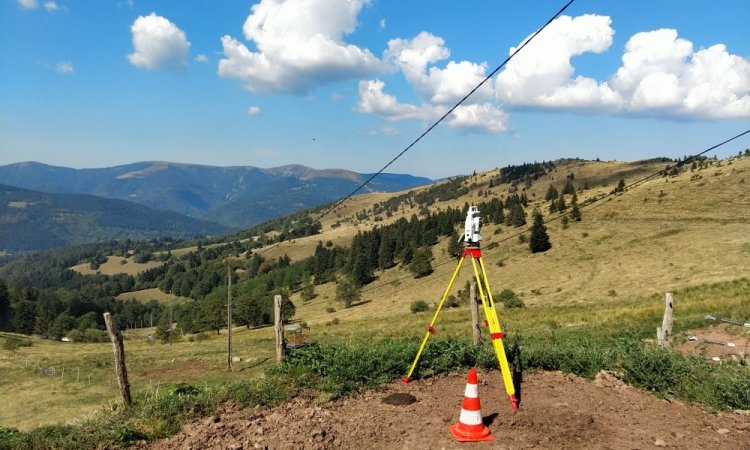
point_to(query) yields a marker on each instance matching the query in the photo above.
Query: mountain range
(235, 197)
(32, 220)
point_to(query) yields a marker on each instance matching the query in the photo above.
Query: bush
(419, 306)
(509, 299)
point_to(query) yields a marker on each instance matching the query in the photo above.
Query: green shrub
(419, 306)
(509, 299)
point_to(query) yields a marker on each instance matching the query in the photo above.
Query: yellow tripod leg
(431, 327)
(496, 333)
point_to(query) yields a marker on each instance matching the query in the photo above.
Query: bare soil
(557, 411)
(719, 343)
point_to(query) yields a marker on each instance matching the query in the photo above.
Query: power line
(449, 112)
(443, 117)
(596, 203)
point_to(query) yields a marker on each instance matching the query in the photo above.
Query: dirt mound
(557, 411)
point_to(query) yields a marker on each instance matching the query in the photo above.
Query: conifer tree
(539, 240)
(551, 193)
(421, 265)
(569, 188)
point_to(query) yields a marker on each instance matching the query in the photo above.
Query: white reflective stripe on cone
(471, 391)
(470, 417)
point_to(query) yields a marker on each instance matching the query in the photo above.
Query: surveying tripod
(471, 238)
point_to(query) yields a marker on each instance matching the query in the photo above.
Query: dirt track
(558, 411)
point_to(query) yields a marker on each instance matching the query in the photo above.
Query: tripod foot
(513, 402)
(405, 380)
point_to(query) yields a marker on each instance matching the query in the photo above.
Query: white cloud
(64, 67)
(542, 74)
(438, 88)
(201, 58)
(254, 111)
(661, 74)
(158, 44)
(482, 118)
(28, 4)
(382, 24)
(372, 100)
(299, 46)
(51, 6)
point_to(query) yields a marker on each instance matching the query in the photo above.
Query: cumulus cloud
(158, 44)
(300, 45)
(372, 100)
(254, 111)
(661, 73)
(51, 6)
(28, 4)
(201, 58)
(438, 88)
(64, 67)
(481, 118)
(542, 73)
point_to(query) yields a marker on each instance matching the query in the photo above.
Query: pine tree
(561, 206)
(516, 215)
(575, 213)
(569, 188)
(539, 241)
(4, 307)
(421, 266)
(454, 246)
(551, 193)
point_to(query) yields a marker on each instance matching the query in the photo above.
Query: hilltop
(235, 197)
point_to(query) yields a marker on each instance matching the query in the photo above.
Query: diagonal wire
(437, 122)
(596, 203)
(448, 113)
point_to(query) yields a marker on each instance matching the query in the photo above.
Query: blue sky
(349, 83)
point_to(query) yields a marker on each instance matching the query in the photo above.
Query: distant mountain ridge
(235, 196)
(32, 220)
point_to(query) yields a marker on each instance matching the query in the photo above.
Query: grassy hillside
(688, 234)
(668, 233)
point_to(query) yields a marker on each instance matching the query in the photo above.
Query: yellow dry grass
(115, 265)
(666, 234)
(146, 295)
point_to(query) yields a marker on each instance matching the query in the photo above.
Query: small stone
(660, 443)
(722, 431)
(216, 419)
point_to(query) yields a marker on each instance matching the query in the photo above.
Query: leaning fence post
(279, 328)
(119, 350)
(665, 330)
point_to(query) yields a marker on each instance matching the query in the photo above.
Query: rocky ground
(558, 411)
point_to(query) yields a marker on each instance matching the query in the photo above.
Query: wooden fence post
(476, 331)
(229, 318)
(665, 330)
(119, 350)
(279, 327)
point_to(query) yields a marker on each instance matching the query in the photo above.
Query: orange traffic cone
(470, 427)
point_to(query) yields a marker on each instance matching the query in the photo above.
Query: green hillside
(31, 220)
